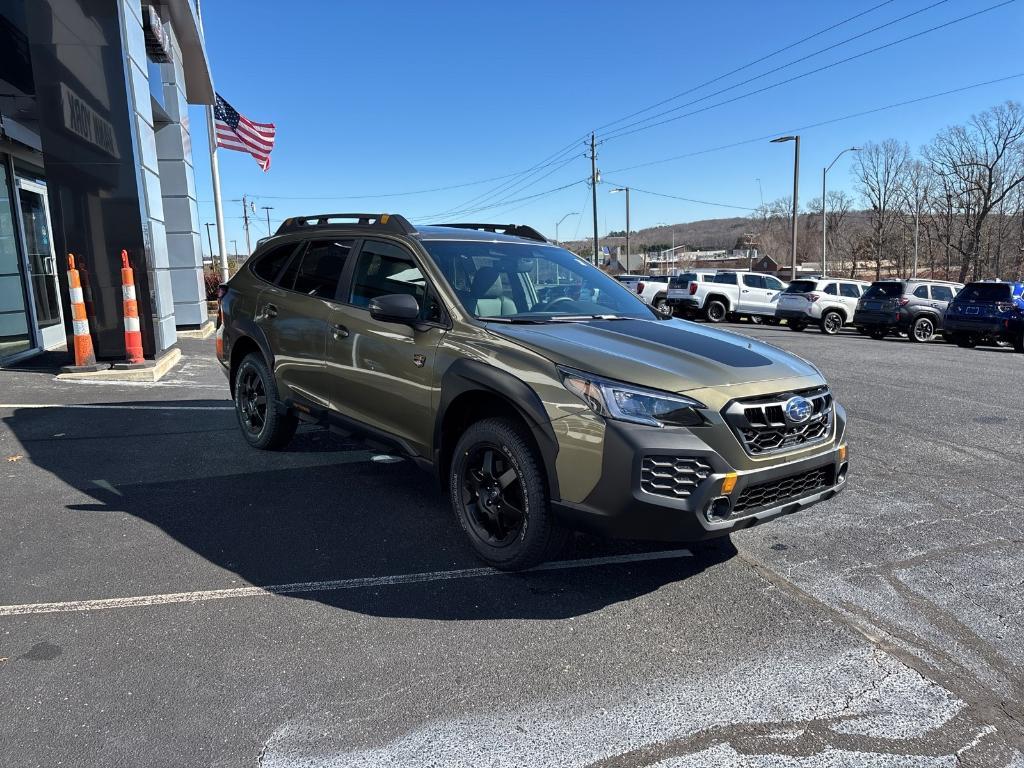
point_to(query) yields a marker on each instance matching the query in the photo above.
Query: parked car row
(987, 312)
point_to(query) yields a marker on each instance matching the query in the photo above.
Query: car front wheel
(923, 330)
(831, 323)
(500, 497)
(266, 423)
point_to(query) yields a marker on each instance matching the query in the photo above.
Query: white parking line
(119, 407)
(76, 606)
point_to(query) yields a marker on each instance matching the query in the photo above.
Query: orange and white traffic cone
(85, 356)
(132, 332)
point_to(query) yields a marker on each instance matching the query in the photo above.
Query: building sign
(83, 121)
(158, 47)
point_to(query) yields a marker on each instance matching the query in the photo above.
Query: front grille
(676, 477)
(762, 427)
(780, 491)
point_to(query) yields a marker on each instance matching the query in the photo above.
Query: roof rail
(516, 230)
(387, 222)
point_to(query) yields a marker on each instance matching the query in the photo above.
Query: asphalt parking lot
(170, 597)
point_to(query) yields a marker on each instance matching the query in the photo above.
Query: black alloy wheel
(500, 497)
(831, 323)
(923, 330)
(715, 311)
(265, 422)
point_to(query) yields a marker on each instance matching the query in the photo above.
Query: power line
(823, 68)
(748, 65)
(686, 199)
(819, 124)
(423, 219)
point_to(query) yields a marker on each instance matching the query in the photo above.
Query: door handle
(270, 310)
(744, 291)
(339, 331)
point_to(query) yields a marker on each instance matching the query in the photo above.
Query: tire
(862, 330)
(831, 323)
(484, 457)
(715, 311)
(265, 422)
(965, 340)
(796, 325)
(922, 330)
(1018, 342)
(771, 321)
(877, 333)
(756, 319)
(661, 304)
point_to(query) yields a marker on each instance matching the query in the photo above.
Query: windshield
(801, 286)
(884, 291)
(985, 292)
(530, 282)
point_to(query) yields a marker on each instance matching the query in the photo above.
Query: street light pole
(796, 193)
(824, 221)
(557, 223)
(626, 190)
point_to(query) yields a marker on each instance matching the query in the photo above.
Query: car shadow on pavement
(321, 510)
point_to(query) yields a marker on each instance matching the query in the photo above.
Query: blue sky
(373, 99)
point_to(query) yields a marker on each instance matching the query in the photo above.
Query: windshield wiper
(583, 318)
(512, 320)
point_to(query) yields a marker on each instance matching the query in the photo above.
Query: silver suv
(826, 302)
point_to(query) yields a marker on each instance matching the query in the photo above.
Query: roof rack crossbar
(388, 222)
(516, 230)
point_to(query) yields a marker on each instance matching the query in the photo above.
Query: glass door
(42, 263)
(16, 337)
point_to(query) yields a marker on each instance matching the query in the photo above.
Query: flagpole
(218, 207)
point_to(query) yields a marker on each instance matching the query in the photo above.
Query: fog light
(718, 509)
(841, 477)
(729, 482)
(842, 452)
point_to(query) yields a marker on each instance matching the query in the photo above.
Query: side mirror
(394, 308)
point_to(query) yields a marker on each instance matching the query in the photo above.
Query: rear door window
(831, 289)
(753, 281)
(921, 291)
(942, 293)
(849, 290)
(321, 266)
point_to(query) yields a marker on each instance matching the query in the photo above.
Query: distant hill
(704, 235)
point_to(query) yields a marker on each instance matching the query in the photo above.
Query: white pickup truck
(750, 294)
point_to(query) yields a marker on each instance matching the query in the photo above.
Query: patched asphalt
(882, 628)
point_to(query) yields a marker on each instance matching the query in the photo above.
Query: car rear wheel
(715, 311)
(831, 323)
(965, 340)
(796, 325)
(923, 330)
(756, 319)
(661, 304)
(266, 423)
(500, 497)
(877, 333)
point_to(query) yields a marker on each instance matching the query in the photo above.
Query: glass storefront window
(14, 324)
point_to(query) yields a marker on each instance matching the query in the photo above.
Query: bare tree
(978, 166)
(879, 171)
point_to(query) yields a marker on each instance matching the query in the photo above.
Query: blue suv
(987, 313)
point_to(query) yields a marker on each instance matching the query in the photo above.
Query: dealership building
(96, 158)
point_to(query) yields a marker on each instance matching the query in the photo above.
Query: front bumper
(618, 507)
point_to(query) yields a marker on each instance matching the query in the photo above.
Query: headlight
(624, 402)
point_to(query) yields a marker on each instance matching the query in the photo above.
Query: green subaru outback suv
(543, 394)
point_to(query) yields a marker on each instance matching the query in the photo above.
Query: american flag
(235, 131)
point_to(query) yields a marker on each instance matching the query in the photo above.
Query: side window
(728, 278)
(831, 289)
(753, 281)
(268, 266)
(772, 284)
(384, 268)
(321, 266)
(921, 291)
(942, 293)
(849, 290)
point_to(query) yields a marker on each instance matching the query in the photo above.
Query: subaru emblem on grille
(798, 409)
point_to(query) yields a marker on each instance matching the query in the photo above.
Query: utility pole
(268, 209)
(626, 190)
(593, 189)
(234, 247)
(209, 239)
(245, 224)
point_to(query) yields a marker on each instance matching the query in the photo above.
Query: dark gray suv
(913, 306)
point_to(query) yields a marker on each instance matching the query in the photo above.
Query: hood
(670, 355)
